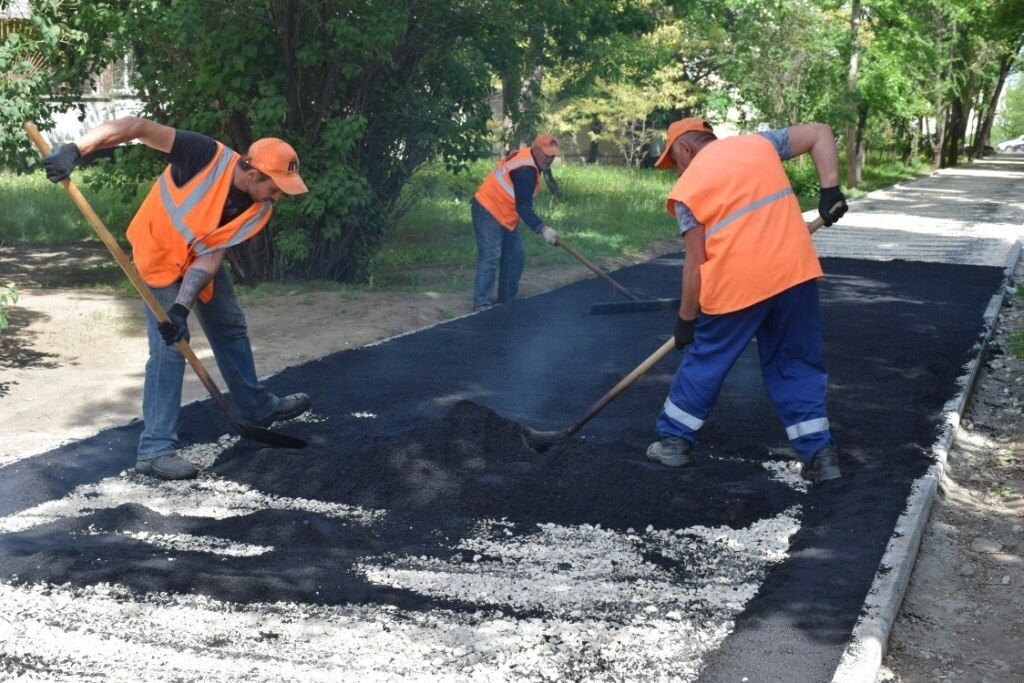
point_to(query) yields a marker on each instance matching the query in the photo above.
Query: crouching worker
(209, 199)
(750, 271)
(505, 197)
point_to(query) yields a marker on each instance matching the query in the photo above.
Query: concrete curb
(862, 659)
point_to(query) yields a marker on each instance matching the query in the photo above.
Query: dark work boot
(824, 466)
(289, 407)
(671, 451)
(169, 466)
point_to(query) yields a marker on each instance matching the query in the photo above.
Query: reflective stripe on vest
(756, 240)
(501, 171)
(178, 212)
(712, 229)
(497, 194)
(243, 233)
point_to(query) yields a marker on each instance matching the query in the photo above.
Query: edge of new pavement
(862, 658)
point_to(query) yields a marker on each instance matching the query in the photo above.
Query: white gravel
(554, 602)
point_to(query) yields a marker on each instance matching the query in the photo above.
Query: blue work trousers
(496, 246)
(788, 331)
(224, 324)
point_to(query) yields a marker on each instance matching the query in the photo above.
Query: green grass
(37, 211)
(604, 211)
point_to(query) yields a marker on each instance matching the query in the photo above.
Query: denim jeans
(496, 246)
(223, 323)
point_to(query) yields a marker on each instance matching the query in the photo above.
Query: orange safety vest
(757, 242)
(497, 194)
(175, 224)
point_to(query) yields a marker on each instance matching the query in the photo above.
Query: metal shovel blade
(269, 437)
(633, 306)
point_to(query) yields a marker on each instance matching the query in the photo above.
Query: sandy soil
(72, 363)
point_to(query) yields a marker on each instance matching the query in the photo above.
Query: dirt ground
(962, 618)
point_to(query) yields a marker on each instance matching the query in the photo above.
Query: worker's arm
(524, 181)
(689, 306)
(196, 278)
(61, 161)
(819, 140)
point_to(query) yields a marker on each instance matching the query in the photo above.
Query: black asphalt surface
(446, 449)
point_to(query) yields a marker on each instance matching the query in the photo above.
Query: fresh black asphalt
(897, 335)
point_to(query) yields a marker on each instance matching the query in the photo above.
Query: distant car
(1014, 145)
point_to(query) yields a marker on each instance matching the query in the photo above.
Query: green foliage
(1010, 119)
(621, 110)
(8, 297)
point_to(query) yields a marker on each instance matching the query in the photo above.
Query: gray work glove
(60, 162)
(176, 328)
(549, 235)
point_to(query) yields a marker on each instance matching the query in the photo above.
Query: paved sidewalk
(969, 214)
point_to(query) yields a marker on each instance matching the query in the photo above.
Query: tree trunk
(981, 140)
(854, 141)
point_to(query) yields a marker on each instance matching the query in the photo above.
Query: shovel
(266, 436)
(542, 441)
(634, 304)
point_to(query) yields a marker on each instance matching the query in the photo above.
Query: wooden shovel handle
(637, 372)
(597, 271)
(133, 274)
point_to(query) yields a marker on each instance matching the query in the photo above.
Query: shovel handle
(133, 274)
(597, 271)
(819, 221)
(637, 372)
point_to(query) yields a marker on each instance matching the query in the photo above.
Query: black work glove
(177, 327)
(828, 198)
(683, 332)
(60, 162)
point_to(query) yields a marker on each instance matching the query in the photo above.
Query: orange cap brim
(289, 183)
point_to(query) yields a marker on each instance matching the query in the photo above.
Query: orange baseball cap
(676, 129)
(548, 144)
(277, 159)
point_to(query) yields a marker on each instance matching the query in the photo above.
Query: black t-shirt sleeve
(189, 154)
(524, 182)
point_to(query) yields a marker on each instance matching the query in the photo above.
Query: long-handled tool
(633, 304)
(541, 441)
(266, 436)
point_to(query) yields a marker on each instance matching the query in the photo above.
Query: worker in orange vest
(208, 199)
(505, 197)
(750, 271)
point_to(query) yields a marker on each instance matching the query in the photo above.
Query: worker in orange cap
(750, 271)
(208, 199)
(505, 197)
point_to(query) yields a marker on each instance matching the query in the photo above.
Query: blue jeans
(789, 344)
(223, 323)
(496, 246)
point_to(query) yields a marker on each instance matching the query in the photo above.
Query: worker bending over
(750, 271)
(208, 199)
(505, 196)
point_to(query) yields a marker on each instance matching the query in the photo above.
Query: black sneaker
(824, 466)
(288, 408)
(170, 466)
(671, 451)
